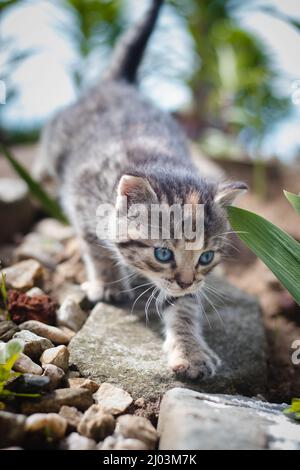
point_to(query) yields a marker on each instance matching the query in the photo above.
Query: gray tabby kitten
(112, 143)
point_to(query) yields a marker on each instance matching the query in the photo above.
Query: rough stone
(116, 345)
(34, 345)
(137, 427)
(55, 375)
(58, 356)
(190, 420)
(71, 415)
(52, 423)
(12, 429)
(46, 331)
(119, 443)
(96, 423)
(78, 397)
(79, 382)
(23, 275)
(25, 364)
(71, 315)
(76, 442)
(113, 399)
(7, 330)
(44, 249)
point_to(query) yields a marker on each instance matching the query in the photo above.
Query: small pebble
(70, 315)
(79, 382)
(7, 330)
(71, 415)
(117, 443)
(25, 364)
(76, 442)
(34, 292)
(72, 291)
(55, 375)
(137, 427)
(53, 425)
(46, 331)
(69, 333)
(78, 397)
(52, 228)
(12, 429)
(58, 356)
(113, 399)
(45, 250)
(29, 383)
(23, 275)
(34, 345)
(96, 423)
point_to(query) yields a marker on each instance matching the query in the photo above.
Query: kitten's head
(166, 259)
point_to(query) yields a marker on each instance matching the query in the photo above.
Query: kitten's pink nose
(183, 283)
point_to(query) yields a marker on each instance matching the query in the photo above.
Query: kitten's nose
(183, 283)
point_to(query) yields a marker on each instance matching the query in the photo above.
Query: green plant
(48, 203)
(278, 250)
(9, 353)
(294, 410)
(3, 292)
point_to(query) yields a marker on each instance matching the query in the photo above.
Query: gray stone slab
(117, 346)
(189, 420)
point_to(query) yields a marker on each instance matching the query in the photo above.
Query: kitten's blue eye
(164, 255)
(206, 257)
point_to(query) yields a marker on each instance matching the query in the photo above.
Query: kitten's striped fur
(113, 141)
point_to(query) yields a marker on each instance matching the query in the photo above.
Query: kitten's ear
(137, 189)
(228, 192)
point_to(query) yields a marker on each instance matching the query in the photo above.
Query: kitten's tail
(130, 50)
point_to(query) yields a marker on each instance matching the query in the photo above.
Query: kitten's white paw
(93, 290)
(97, 291)
(198, 364)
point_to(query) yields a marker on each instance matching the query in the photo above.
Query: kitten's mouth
(179, 292)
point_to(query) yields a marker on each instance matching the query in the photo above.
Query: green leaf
(13, 348)
(293, 199)
(278, 250)
(49, 204)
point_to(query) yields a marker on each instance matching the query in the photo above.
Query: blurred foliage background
(232, 82)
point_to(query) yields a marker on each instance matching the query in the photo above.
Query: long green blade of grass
(278, 250)
(48, 204)
(293, 199)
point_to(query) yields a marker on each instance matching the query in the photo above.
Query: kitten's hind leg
(188, 354)
(105, 280)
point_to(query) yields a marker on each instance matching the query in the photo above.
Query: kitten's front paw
(198, 364)
(93, 290)
(97, 291)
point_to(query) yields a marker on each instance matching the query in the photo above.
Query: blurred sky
(45, 84)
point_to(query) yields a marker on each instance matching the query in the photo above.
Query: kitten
(113, 143)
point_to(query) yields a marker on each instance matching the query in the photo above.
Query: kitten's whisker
(212, 305)
(147, 306)
(136, 287)
(123, 278)
(156, 305)
(222, 295)
(202, 308)
(144, 292)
